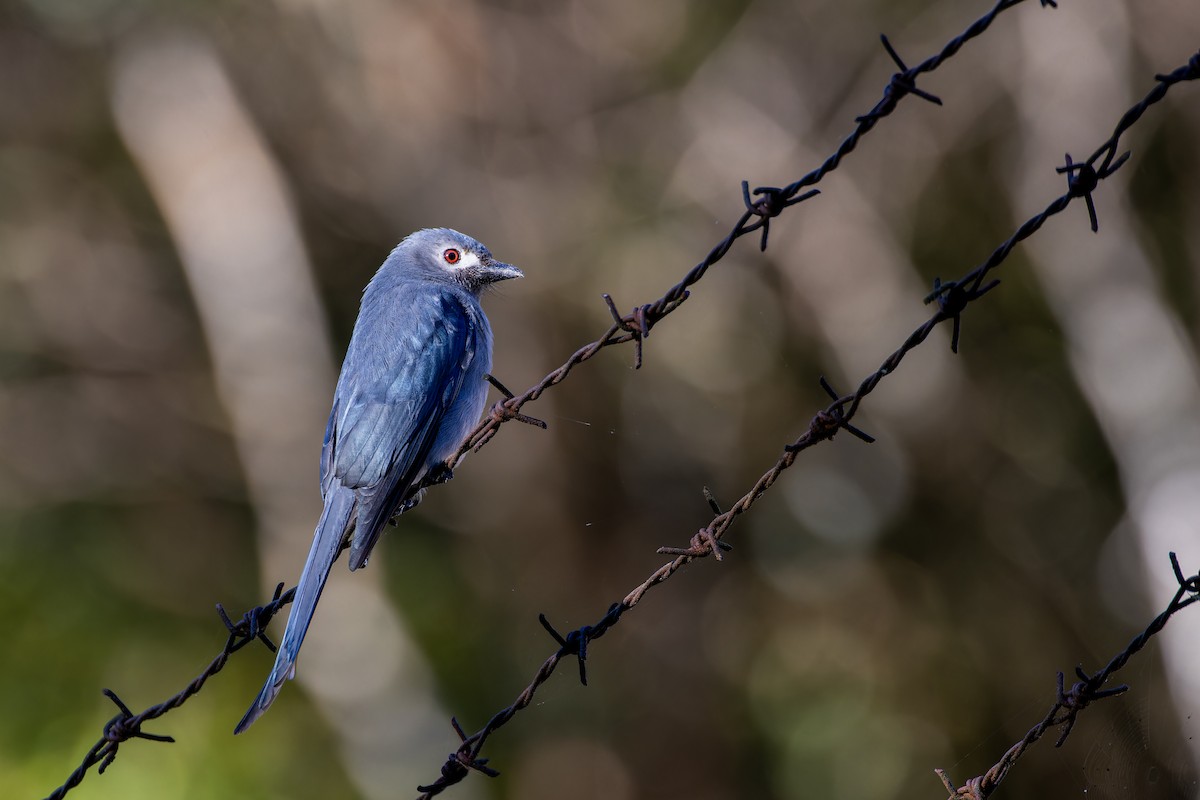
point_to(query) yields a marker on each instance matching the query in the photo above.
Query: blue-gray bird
(412, 387)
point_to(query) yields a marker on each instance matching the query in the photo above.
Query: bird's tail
(335, 521)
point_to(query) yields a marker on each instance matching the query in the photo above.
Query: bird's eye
(451, 255)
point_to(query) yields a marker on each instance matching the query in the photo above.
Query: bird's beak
(494, 271)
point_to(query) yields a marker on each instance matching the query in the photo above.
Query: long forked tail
(335, 520)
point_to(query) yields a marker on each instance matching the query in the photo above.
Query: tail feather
(327, 542)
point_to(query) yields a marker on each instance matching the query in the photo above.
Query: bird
(412, 386)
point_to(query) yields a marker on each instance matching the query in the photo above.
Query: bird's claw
(438, 474)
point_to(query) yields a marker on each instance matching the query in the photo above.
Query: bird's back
(412, 386)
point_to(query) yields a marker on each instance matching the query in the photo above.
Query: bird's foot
(406, 506)
(438, 474)
(410, 503)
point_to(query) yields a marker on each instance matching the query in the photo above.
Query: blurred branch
(1082, 693)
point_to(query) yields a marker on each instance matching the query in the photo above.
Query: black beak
(491, 271)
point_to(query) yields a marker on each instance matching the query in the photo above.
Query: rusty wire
(126, 725)
(768, 202)
(952, 299)
(1069, 702)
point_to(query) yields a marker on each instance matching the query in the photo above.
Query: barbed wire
(1084, 692)
(952, 299)
(126, 725)
(768, 203)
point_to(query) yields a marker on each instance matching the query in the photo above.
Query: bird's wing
(400, 377)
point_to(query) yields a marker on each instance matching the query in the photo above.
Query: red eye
(452, 256)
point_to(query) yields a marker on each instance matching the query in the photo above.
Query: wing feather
(390, 402)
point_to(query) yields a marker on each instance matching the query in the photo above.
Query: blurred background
(193, 194)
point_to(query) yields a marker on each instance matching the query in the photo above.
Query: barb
(952, 299)
(771, 202)
(1087, 690)
(466, 757)
(126, 725)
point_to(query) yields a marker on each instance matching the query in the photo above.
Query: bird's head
(446, 255)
